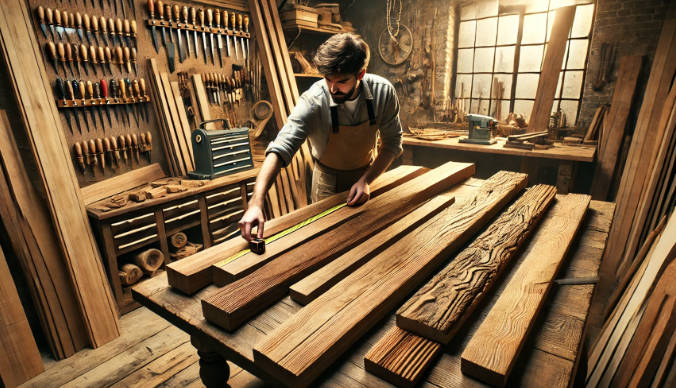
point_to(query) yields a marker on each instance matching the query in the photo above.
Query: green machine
(480, 129)
(220, 152)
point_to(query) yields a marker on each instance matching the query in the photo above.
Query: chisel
(132, 34)
(51, 51)
(142, 86)
(95, 60)
(106, 99)
(114, 94)
(50, 21)
(171, 52)
(109, 59)
(123, 147)
(87, 28)
(218, 37)
(57, 21)
(61, 95)
(127, 59)
(41, 18)
(95, 101)
(116, 150)
(187, 32)
(127, 32)
(136, 89)
(129, 148)
(104, 30)
(95, 29)
(233, 20)
(75, 49)
(130, 94)
(210, 21)
(133, 61)
(78, 89)
(87, 91)
(71, 95)
(100, 152)
(226, 20)
(193, 15)
(84, 57)
(124, 95)
(160, 13)
(204, 36)
(69, 57)
(111, 31)
(61, 50)
(175, 16)
(246, 29)
(79, 158)
(241, 38)
(103, 100)
(151, 11)
(78, 26)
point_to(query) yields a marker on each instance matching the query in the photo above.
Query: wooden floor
(150, 353)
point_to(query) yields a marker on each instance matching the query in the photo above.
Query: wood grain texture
(307, 343)
(551, 67)
(240, 300)
(614, 125)
(439, 308)
(495, 346)
(194, 273)
(54, 173)
(401, 357)
(123, 182)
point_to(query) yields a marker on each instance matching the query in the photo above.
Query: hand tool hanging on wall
(151, 11)
(133, 60)
(135, 146)
(92, 58)
(129, 147)
(50, 21)
(108, 150)
(78, 156)
(119, 58)
(84, 57)
(93, 160)
(51, 53)
(130, 95)
(193, 17)
(233, 20)
(169, 46)
(96, 100)
(127, 59)
(122, 143)
(122, 87)
(176, 17)
(88, 28)
(61, 95)
(78, 26)
(184, 13)
(95, 29)
(142, 86)
(218, 37)
(57, 21)
(204, 36)
(72, 27)
(101, 152)
(132, 33)
(111, 31)
(126, 29)
(159, 5)
(78, 89)
(111, 90)
(115, 149)
(41, 18)
(75, 50)
(246, 29)
(241, 38)
(136, 89)
(210, 21)
(70, 93)
(101, 55)
(109, 59)
(65, 20)
(103, 101)
(87, 91)
(226, 20)
(104, 30)
(61, 50)
(69, 57)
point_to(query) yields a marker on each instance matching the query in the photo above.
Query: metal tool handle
(225, 123)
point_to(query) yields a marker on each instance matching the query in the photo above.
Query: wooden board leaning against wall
(121, 124)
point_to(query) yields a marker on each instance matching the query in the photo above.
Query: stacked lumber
(646, 188)
(230, 306)
(288, 192)
(551, 68)
(194, 273)
(120, 183)
(54, 178)
(610, 139)
(638, 333)
(173, 120)
(594, 131)
(306, 344)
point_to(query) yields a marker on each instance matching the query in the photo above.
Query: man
(341, 116)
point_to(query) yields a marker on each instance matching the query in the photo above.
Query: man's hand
(359, 193)
(252, 217)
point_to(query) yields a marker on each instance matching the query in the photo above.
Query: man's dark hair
(345, 53)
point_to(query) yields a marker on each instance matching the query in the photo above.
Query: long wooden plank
(54, 171)
(194, 273)
(551, 67)
(440, 307)
(202, 101)
(238, 301)
(642, 149)
(401, 357)
(19, 356)
(614, 126)
(184, 127)
(162, 113)
(276, 52)
(605, 348)
(174, 124)
(493, 350)
(122, 182)
(307, 343)
(275, 27)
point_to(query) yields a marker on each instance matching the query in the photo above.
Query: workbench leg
(214, 369)
(565, 177)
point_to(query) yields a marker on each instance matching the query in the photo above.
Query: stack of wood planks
(646, 191)
(636, 345)
(289, 191)
(594, 132)
(45, 213)
(173, 121)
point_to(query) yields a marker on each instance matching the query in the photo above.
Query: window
(501, 47)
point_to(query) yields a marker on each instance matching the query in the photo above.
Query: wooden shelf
(308, 75)
(294, 27)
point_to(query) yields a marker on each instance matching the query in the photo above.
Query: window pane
(569, 108)
(577, 55)
(483, 107)
(466, 34)
(486, 30)
(462, 85)
(506, 81)
(524, 107)
(483, 61)
(572, 87)
(526, 85)
(465, 60)
(474, 106)
(583, 21)
(508, 28)
(536, 6)
(481, 86)
(530, 58)
(486, 8)
(534, 28)
(504, 110)
(504, 59)
(468, 11)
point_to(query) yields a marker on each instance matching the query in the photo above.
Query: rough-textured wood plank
(614, 125)
(439, 308)
(401, 357)
(493, 350)
(162, 113)
(19, 356)
(55, 174)
(183, 129)
(245, 297)
(551, 67)
(194, 273)
(174, 124)
(305, 345)
(122, 182)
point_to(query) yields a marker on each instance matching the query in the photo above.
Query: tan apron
(349, 152)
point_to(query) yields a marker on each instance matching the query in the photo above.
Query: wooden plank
(194, 273)
(162, 113)
(440, 307)
(609, 340)
(122, 182)
(173, 123)
(19, 356)
(184, 128)
(598, 115)
(615, 124)
(401, 357)
(277, 58)
(202, 100)
(495, 346)
(307, 343)
(54, 173)
(643, 143)
(238, 301)
(551, 67)
(286, 74)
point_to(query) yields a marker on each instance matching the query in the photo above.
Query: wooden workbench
(568, 159)
(549, 358)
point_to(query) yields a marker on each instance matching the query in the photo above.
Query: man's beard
(340, 98)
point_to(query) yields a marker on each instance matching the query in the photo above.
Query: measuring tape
(283, 233)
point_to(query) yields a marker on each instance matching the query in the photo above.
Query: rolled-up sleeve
(390, 125)
(294, 132)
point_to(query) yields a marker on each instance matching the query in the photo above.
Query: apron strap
(334, 119)
(369, 109)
